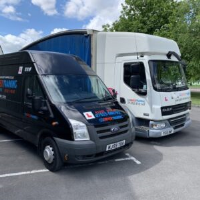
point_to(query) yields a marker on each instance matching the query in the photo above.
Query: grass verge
(195, 98)
(194, 87)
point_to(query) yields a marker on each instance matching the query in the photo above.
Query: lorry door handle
(122, 100)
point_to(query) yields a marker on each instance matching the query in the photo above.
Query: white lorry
(146, 72)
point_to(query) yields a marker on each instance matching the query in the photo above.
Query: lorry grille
(170, 110)
(178, 122)
(104, 131)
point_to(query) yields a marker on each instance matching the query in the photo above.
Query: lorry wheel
(50, 155)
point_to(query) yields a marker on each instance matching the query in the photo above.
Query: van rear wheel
(50, 155)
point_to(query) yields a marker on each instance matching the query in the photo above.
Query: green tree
(144, 16)
(177, 20)
(184, 28)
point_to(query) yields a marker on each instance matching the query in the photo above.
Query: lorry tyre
(50, 155)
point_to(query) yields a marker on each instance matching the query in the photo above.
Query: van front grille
(106, 130)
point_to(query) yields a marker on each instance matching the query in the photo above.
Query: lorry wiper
(165, 89)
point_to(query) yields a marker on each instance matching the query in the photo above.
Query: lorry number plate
(115, 145)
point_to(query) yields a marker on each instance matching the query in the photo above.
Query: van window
(32, 83)
(136, 68)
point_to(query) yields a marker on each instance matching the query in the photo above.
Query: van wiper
(83, 99)
(108, 97)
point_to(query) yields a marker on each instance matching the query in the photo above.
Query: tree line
(175, 19)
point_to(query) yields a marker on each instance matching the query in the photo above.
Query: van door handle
(122, 100)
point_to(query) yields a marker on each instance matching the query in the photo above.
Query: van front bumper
(90, 151)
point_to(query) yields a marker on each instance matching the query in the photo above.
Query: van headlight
(79, 130)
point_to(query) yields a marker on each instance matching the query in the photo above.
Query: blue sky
(24, 21)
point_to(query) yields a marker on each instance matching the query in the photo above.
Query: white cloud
(100, 11)
(7, 9)
(56, 30)
(48, 6)
(9, 2)
(11, 43)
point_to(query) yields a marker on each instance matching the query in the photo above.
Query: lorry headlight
(158, 125)
(79, 130)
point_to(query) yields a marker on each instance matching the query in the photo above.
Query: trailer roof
(48, 62)
(67, 32)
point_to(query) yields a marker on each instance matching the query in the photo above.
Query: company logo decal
(183, 97)
(30, 116)
(138, 102)
(89, 115)
(28, 69)
(20, 70)
(108, 115)
(8, 86)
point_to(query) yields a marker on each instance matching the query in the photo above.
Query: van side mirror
(29, 93)
(135, 82)
(38, 104)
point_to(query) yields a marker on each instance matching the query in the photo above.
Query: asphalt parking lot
(165, 168)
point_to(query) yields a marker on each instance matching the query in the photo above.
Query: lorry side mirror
(114, 93)
(29, 93)
(135, 82)
(184, 65)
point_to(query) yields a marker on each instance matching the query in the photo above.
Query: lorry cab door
(135, 102)
(32, 120)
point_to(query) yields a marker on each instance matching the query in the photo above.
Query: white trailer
(1, 50)
(146, 72)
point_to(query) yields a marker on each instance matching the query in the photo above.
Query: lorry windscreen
(76, 88)
(167, 76)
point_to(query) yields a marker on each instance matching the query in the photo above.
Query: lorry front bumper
(173, 125)
(90, 151)
(168, 130)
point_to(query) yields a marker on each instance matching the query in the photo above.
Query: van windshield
(76, 88)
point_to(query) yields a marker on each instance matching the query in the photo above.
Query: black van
(58, 103)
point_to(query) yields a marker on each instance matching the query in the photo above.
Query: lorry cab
(148, 75)
(59, 104)
(154, 90)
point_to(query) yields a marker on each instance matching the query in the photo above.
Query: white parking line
(13, 140)
(132, 158)
(23, 173)
(129, 157)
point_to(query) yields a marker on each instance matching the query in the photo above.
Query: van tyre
(50, 155)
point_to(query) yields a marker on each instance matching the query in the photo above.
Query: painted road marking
(132, 158)
(128, 158)
(23, 173)
(13, 140)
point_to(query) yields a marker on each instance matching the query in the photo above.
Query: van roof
(48, 62)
